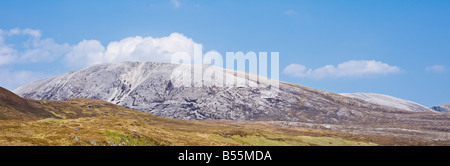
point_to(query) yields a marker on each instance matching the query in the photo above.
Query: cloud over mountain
(88, 52)
(28, 47)
(139, 48)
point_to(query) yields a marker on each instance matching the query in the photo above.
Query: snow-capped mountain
(389, 101)
(148, 87)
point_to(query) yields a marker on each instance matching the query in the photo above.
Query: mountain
(442, 108)
(389, 101)
(148, 87)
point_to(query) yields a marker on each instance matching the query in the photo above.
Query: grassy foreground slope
(93, 122)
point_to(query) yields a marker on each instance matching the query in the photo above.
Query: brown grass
(82, 122)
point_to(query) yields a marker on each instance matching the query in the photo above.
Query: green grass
(134, 139)
(251, 140)
(329, 141)
(51, 120)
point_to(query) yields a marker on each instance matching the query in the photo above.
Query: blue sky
(399, 48)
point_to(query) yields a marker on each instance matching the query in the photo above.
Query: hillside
(389, 101)
(93, 122)
(15, 107)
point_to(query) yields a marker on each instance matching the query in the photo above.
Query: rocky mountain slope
(442, 108)
(389, 101)
(147, 86)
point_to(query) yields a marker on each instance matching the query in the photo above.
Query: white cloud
(85, 53)
(36, 49)
(1, 36)
(296, 70)
(13, 79)
(32, 32)
(436, 69)
(175, 3)
(7, 54)
(16, 31)
(351, 68)
(5, 59)
(89, 52)
(137, 48)
(45, 50)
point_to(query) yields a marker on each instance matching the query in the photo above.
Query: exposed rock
(148, 87)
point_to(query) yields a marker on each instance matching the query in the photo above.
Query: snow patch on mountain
(389, 101)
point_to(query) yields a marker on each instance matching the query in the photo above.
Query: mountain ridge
(387, 100)
(146, 86)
